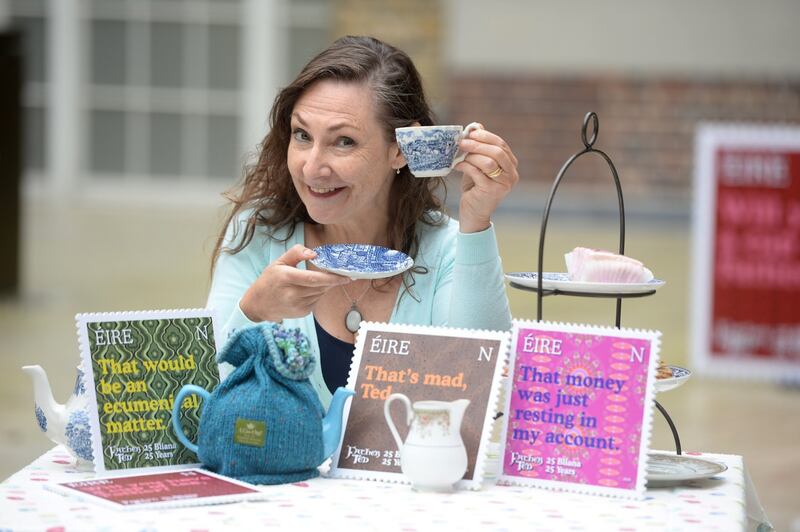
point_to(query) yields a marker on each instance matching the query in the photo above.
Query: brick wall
(646, 125)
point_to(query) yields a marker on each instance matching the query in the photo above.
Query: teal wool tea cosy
(263, 424)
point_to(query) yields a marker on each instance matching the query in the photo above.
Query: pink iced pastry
(598, 266)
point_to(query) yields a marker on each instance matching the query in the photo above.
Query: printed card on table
(188, 487)
(135, 364)
(424, 364)
(579, 408)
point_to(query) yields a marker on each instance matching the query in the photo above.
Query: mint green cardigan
(463, 288)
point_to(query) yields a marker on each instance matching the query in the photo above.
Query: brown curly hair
(267, 188)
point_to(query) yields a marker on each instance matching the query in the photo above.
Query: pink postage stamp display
(579, 408)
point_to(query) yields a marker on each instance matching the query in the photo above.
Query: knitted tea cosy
(263, 424)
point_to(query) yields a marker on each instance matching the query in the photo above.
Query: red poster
(747, 250)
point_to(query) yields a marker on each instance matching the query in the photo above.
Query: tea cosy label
(250, 432)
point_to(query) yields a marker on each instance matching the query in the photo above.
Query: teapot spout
(332, 422)
(49, 413)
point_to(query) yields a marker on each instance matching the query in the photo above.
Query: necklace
(353, 316)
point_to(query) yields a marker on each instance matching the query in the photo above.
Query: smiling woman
(341, 165)
(330, 172)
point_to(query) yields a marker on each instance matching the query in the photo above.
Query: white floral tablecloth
(721, 503)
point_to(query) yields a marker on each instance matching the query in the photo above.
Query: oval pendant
(352, 319)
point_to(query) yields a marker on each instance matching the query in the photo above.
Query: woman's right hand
(285, 291)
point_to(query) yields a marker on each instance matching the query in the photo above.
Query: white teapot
(433, 456)
(67, 424)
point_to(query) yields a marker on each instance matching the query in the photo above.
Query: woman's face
(340, 161)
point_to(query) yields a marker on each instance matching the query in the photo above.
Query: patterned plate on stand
(561, 281)
(665, 469)
(679, 376)
(361, 261)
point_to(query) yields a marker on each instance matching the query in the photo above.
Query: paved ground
(87, 258)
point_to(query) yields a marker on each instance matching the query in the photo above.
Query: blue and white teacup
(432, 151)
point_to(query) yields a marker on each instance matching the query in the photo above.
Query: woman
(330, 171)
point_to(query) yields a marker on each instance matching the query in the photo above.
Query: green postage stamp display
(135, 363)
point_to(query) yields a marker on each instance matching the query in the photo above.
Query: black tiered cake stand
(588, 141)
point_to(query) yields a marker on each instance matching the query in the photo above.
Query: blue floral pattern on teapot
(66, 424)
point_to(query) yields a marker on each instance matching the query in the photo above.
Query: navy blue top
(335, 356)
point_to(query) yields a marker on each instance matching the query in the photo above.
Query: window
(163, 89)
(155, 88)
(29, 18)
(309, 32)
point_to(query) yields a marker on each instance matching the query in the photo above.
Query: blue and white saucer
(361, 261)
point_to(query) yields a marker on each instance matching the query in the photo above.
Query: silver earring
(397, 171)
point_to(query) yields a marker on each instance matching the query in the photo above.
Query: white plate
(671, 468)
(361, 261)
(560, 281)
(679, 376)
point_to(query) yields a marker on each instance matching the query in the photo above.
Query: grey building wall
(724, 37)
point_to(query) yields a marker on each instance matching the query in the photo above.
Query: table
(721, 503)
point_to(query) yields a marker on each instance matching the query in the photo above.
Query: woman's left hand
(490, 172)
